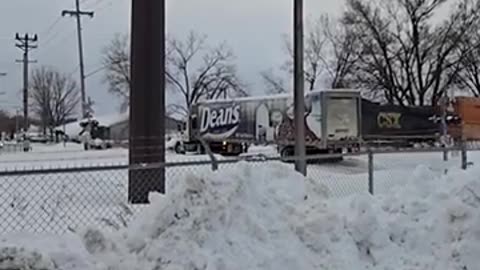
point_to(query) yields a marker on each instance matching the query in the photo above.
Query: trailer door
(314, 119)
(262, 122)
(342, 122)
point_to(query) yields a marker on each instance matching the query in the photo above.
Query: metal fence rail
(57, 200)
(8, 147)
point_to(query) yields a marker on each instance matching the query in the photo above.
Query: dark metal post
(25, 97)
(299, 99)
(464, 155)
(444, 125)
(370, 172)
(147, 99)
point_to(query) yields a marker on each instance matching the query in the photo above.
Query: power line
(95, 71)
(94, 4)
(108, 4)
(48, 43)
(102, 67)
(50, 28)
(73, 71)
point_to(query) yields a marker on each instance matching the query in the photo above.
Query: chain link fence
(58, 200)
(10, 147)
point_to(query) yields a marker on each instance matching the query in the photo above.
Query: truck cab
(190, 142)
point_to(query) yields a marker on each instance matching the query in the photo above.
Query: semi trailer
(332, 123)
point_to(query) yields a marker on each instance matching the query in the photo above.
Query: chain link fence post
(209, 152)
(370, 171)
(464, 155)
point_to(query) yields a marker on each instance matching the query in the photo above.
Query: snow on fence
(66, 199)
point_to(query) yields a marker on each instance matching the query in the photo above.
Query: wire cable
(50, 28)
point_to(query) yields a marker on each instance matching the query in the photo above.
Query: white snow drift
(268, 217)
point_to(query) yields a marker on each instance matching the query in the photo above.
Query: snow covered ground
(265, 216)
(57, 203)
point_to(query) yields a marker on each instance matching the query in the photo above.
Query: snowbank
(44, 253)
(268, 217)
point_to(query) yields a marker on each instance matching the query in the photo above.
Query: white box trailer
(332, 122)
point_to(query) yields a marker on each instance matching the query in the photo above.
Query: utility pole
(25, 43)
(77, 13)
(2, 74)
(299, 98)
(147, 101)
(17, 122)
(444, 125)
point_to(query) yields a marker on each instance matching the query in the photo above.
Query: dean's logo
(389, 120)
(219, 122)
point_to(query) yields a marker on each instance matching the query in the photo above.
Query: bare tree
(330, 57)
(275, 83)
(54, 97)
(193, 70)
(314, 44)
(314, 47)
(197, 72)
(116, 60)
(467, 78)
(341, 52)
(403, 54)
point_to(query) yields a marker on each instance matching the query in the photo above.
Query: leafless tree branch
(54, 97)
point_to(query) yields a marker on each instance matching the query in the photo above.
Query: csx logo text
(389, 120)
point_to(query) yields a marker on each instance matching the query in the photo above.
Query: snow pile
(259, 218)
(19, 258)
(233, 220)
(44, 253)
(429, 223)
(268, 217)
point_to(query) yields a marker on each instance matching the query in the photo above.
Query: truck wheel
(178, 148)
(336, 160)
(202, 150)
(286, 152)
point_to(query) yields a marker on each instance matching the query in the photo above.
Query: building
(119, 131)
(118, 125)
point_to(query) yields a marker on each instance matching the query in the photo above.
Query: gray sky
(253, 28)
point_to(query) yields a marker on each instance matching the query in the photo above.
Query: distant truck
(94, 135)
(332, 123)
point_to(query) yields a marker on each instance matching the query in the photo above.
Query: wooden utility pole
(25, 43)
(77, 13)
(2, 74)
(147, 101)
(299, 99)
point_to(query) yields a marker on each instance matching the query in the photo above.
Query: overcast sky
(253, 28)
